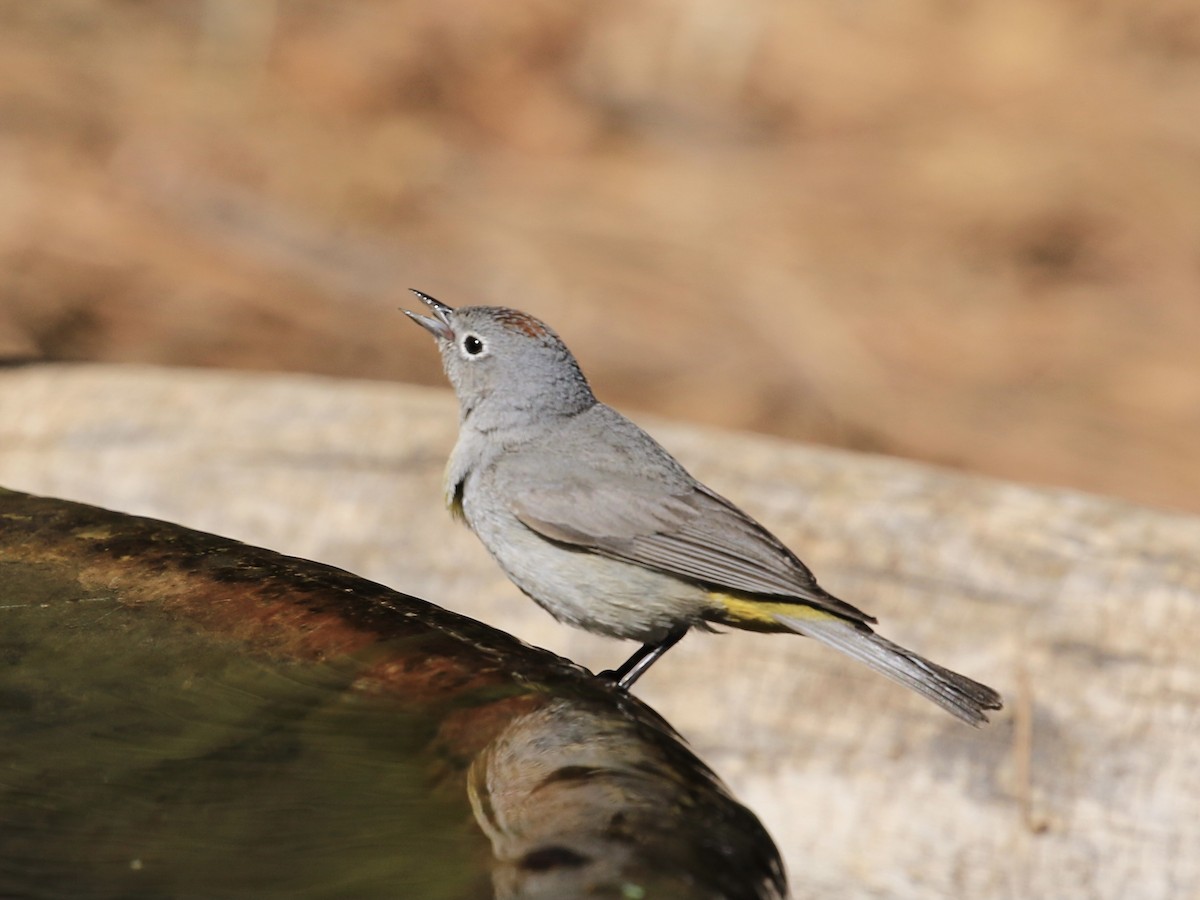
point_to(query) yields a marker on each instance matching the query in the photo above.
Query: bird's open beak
(439, 326)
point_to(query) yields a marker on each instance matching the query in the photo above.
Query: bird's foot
(643, 658)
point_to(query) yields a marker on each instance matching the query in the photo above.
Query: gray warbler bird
(591, 518)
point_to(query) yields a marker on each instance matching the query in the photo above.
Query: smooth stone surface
(1082, 611)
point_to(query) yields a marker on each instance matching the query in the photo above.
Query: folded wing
(689, 532)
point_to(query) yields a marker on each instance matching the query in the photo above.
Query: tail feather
(955, 693)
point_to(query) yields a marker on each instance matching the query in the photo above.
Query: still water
(182, 716)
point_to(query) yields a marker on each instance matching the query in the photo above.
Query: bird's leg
(643, 658)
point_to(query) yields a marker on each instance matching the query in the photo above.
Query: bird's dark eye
(473, 345)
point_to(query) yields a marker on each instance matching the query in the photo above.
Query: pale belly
(584, 589)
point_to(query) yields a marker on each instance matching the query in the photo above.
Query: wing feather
(691, 533)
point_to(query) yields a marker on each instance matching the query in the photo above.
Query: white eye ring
(472, 346)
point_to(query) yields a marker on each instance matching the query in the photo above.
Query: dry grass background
(960, 231)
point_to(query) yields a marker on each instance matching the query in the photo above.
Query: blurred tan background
(963, 232)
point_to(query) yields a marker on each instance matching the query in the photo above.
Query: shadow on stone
(182, 714)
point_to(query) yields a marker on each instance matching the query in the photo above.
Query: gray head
(507, 368)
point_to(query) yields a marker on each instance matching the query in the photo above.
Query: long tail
(955, 693)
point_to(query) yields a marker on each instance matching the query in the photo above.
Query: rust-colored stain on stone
(273, 604)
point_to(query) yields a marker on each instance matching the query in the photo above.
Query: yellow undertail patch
(759, 615)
